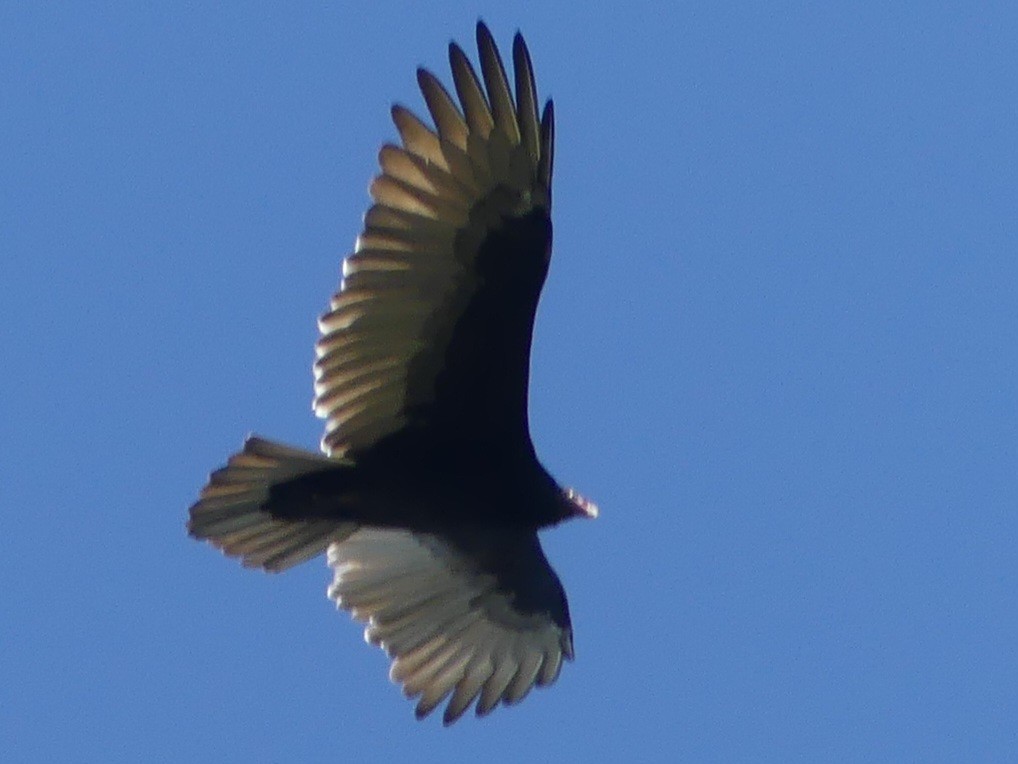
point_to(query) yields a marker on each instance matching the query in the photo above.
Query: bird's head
(578, 506)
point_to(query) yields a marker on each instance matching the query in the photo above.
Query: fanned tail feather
(229, 511)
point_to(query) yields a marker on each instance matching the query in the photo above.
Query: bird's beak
(584, 507)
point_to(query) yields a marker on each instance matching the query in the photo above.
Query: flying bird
(428, 495)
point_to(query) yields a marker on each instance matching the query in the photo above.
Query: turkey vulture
(430, 495)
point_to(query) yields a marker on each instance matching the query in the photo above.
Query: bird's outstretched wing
(431, 327)
(479, 615)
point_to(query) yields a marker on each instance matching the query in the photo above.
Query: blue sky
(777, 346)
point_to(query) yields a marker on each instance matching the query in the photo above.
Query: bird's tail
(230, 511)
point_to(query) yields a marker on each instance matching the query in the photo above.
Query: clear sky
(777, 346)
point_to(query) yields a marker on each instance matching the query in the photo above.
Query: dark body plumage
(430, 494)
(411, 485)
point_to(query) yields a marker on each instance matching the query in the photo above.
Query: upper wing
(432, 323)
(478, 614)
